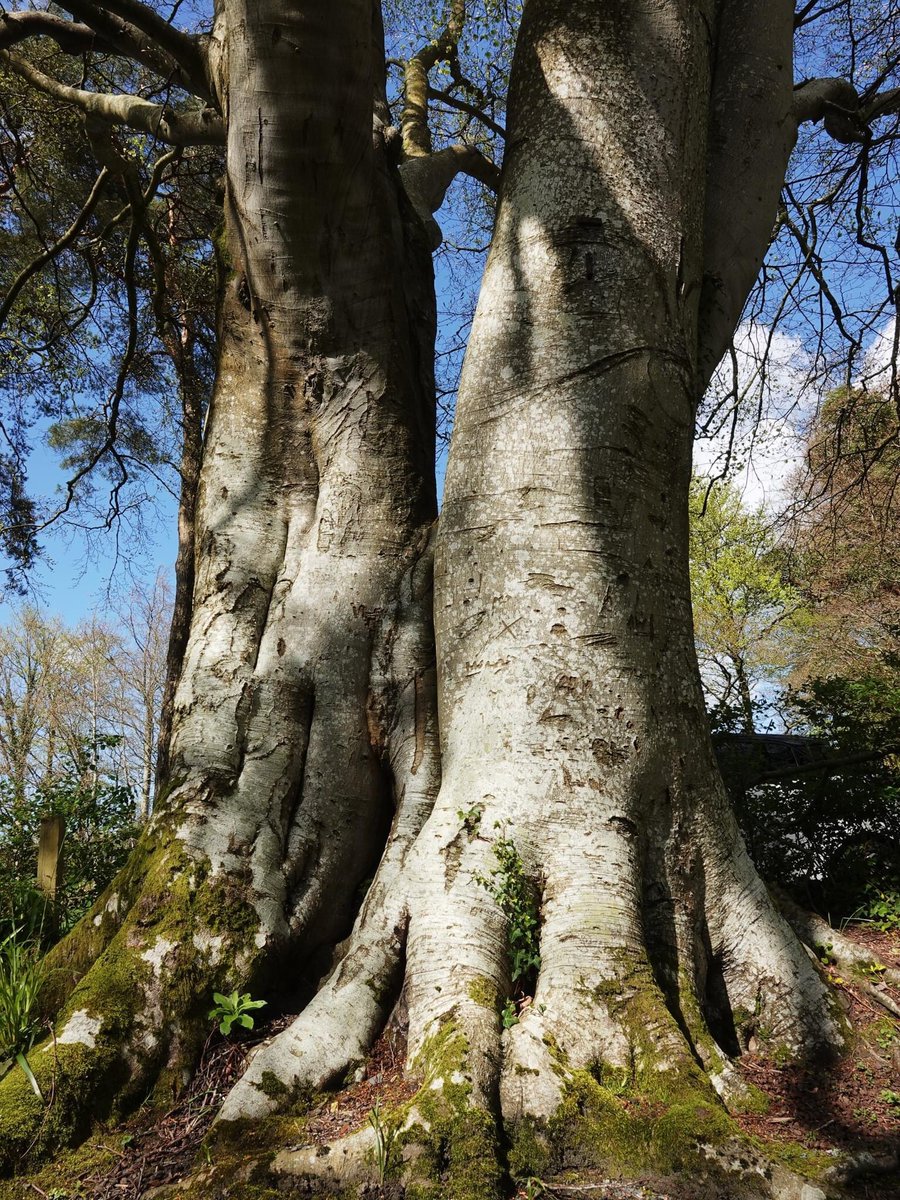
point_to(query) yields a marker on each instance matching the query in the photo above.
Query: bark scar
(421, 712)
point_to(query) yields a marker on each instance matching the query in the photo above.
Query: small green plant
(510, 887)
(870, 970)
(21, 975)
(509, 1016)
(826, 957)
(233, 1009)
(533, 1188)
(384, 1139)
(471, 817)
(882, 908)
(885, 1034)
(891, 1099)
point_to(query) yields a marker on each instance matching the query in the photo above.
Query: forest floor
(828, 1109)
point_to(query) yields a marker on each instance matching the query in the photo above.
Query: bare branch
(71, 38)
(447, 97)
(184, 49)
(193, 128)
(882, 105)
(57, 248)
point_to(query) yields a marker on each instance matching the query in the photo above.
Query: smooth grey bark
(571, 715)
(304, 724)
(572, 721)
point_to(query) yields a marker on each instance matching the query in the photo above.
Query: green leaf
(29, 1075)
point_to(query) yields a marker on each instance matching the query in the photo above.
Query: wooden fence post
(49, 868)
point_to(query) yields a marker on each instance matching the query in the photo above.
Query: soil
(852, 1104)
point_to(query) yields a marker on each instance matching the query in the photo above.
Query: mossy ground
(638, 1122)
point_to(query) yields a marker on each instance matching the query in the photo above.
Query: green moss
(270, 1085)
(205, 925)
(223, 907)
(781, 1054)
(750, 1100)
(812, 1164)
(529, 1152)
(68, 961)
(621, 1134)
(67, 1173)
(441, 1145)
(484, 992)
(695, 1022)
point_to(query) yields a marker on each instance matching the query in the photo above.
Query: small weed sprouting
(533, 1188)
(233, 1009)
(515, 896)
(509, 886)
(826, 955)
(384, 1137)
(509, 1016)
(885, 1035)
(21, 974)
(471, 817)
(892, 1100)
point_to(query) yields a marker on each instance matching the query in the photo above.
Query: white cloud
(778, 391)
(762, 420)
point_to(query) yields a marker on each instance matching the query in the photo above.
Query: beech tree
(537, 759)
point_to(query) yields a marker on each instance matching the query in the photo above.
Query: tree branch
(446, 97)
(192, 128)
(182, 47)
(829, 765)
(426, 178)
(57, 248)
(751, 138)
(414, 118)
(72, 38)
(837, 104)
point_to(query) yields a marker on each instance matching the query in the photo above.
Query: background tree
(100, 832)
(843, 538)
(747, 615)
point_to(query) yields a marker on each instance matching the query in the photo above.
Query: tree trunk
(189, 471)
(304, 722)
(580, 801)
(576, 760)
(745, 695)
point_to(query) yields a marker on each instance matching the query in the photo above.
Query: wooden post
(49, 870)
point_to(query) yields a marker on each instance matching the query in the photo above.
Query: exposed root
(871, 976)
(347, 1162)
(332, 1035)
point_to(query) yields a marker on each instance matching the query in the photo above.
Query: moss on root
(181, 935)
(620, 1131)
(440, 1144)
(484, 991)
(811, 1164)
